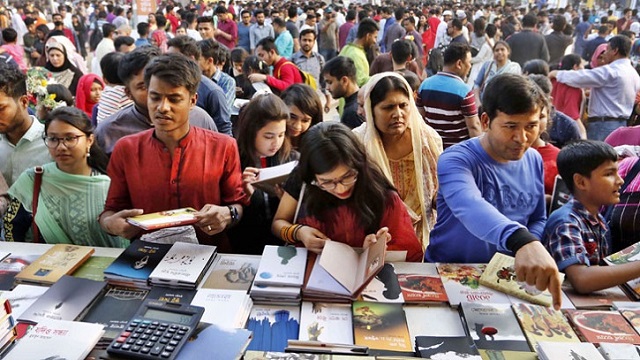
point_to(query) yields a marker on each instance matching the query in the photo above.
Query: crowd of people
(456, 123)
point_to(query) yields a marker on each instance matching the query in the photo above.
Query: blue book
(229, 344)
(137, 261)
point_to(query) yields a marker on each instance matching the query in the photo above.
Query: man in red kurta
(175, 165)
(285, 73)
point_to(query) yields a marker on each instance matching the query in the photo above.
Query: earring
(88, 152)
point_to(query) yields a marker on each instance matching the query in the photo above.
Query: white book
(275, 291)
(326, 323)
(321, 280)
(626, 305)
(462, 284)
(612, 351)
(22, 296)
(448, 321)
(269, 177)
(567, 351)
(282, 266)
(184, 264)
(57, 339)
(225, 308)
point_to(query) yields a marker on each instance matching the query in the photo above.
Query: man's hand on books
(535, 266)
(381, 235)
(212, 219)
(115, 223)
(312, 238)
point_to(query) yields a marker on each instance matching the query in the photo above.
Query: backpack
(307, 78)
(96, 36)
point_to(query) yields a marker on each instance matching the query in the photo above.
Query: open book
(164, 219)
(269, 177)
(345, 271)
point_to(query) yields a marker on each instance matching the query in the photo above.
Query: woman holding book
(403, 146)
(337, 193)
(73, 189)
(262, 143)
(305, 110)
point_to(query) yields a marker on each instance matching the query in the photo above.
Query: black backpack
(96, 36)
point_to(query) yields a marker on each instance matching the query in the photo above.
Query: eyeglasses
(69, 142)
(348, 179)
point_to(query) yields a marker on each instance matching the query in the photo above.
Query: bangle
(234, 214)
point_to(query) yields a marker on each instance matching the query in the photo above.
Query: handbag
(17, 220)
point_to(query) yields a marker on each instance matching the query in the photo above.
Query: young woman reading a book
(73, 188)
(262, 143)
(337, 193)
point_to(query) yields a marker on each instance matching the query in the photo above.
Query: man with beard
(259, 31)
(134, 119)
(340, 76)
(356, 51)
(307, 59)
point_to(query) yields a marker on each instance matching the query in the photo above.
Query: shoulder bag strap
(39, 170)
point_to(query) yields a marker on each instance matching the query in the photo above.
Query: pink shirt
(17, 52)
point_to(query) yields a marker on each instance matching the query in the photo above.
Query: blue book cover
(229, 344)
(138, 260)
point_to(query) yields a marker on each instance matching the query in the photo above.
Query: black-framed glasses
(348, 179)
(69, 142)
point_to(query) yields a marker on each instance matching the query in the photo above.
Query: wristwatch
(234, 215)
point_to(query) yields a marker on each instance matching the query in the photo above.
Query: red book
(597, 326)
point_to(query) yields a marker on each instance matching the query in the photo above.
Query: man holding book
(174, 164)
(491, 194)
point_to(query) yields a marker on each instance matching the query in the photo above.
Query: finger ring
(209, 227)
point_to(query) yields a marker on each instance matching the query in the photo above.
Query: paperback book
(326, 323)
(281, 266)
(596, 300)
(273, 326)
(60, 260)
(384, 287)
(612, 351)
(596, 326)
(541, 323)
(183, 266)
(224, 308)
(420, 282)
(227, 344)
(133, 267)
(270, 177)
(22, 296)
(508, 355)
(115, 309)
(442, 321)
(446, 347)
(171, 295)
(164, 219)
(462, 284)
(93, 268)
(232, 272)
(11, 266)
(494, 327)
(381, 326)
(561, 351)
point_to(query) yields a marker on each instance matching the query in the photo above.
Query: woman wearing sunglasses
(73, 188)
(337, 193)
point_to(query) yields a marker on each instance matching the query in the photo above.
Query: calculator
(158, 330)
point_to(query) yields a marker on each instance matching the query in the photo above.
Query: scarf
(68, 206)
(427, 147)
(83, 93)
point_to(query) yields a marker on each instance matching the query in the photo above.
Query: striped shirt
(112, 99)
(447, 100)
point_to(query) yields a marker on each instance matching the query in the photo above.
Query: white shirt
(30, 151)
(194, 34)
(104, 47)
(613, 87)
(441, 35)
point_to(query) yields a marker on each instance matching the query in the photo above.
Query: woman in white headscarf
(403, 145)
(60, 66)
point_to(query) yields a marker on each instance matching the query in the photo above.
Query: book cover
(224, 308)
(619, 351)
(228, 344)
(507, 355)
(448, 321)
(494, 327)
(22, 296)
(138, 260)
(115, 309)
(164, 219)
(57, 339)
(93, 268)
(577, 351)
(420, 282)
(597, 326)
(321, 282)
(500, 275)
(232, 272)
(60, 260)
(282, 266)
(381, 326)
(269, 177)
(541, 323)
(596, 300)
(65, 300)
(560, 194)
(183, 265)
(462, 284)
(326, 323)
(171, 295)
(633, 317)
(626, 255)
(447, 347)
(272, 326)
(625, 305)
(384, 287)
(11, 266)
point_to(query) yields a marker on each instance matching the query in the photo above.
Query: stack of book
(232, 272)
(11, 266)
(8, 333)
(60, 260)
(280, 275)
(183, 266)
(134, 266)
(224, 308)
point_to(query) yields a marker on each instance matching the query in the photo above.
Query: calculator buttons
(126, 347)
(145, 350)
(165, 354)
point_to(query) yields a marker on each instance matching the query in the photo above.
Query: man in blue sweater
(491, 191)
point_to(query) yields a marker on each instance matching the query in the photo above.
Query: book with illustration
(597, 326)
(224, 308)
(232, 272)
(22, 296)
(115, 309)
(281, 266)
(541, 323)
(462, 284)
(269, 177)
(420, 282)
(446, 347)
(494, 327)
(500, 275)
(273, 326)
(577, 351)
(133, 267)
(93, 268)
(448, 321)
(12, 266)
(326, 323)
(384, 287)
(381, 326)
(164, 219)
(183, 266)
(60, 260)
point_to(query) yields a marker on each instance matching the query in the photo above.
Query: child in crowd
(11, 47)
(262, 142)
(575, 234)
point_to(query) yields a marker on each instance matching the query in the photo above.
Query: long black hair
(328, 145)
(77, 118)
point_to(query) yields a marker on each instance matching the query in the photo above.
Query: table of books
(258, 307)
